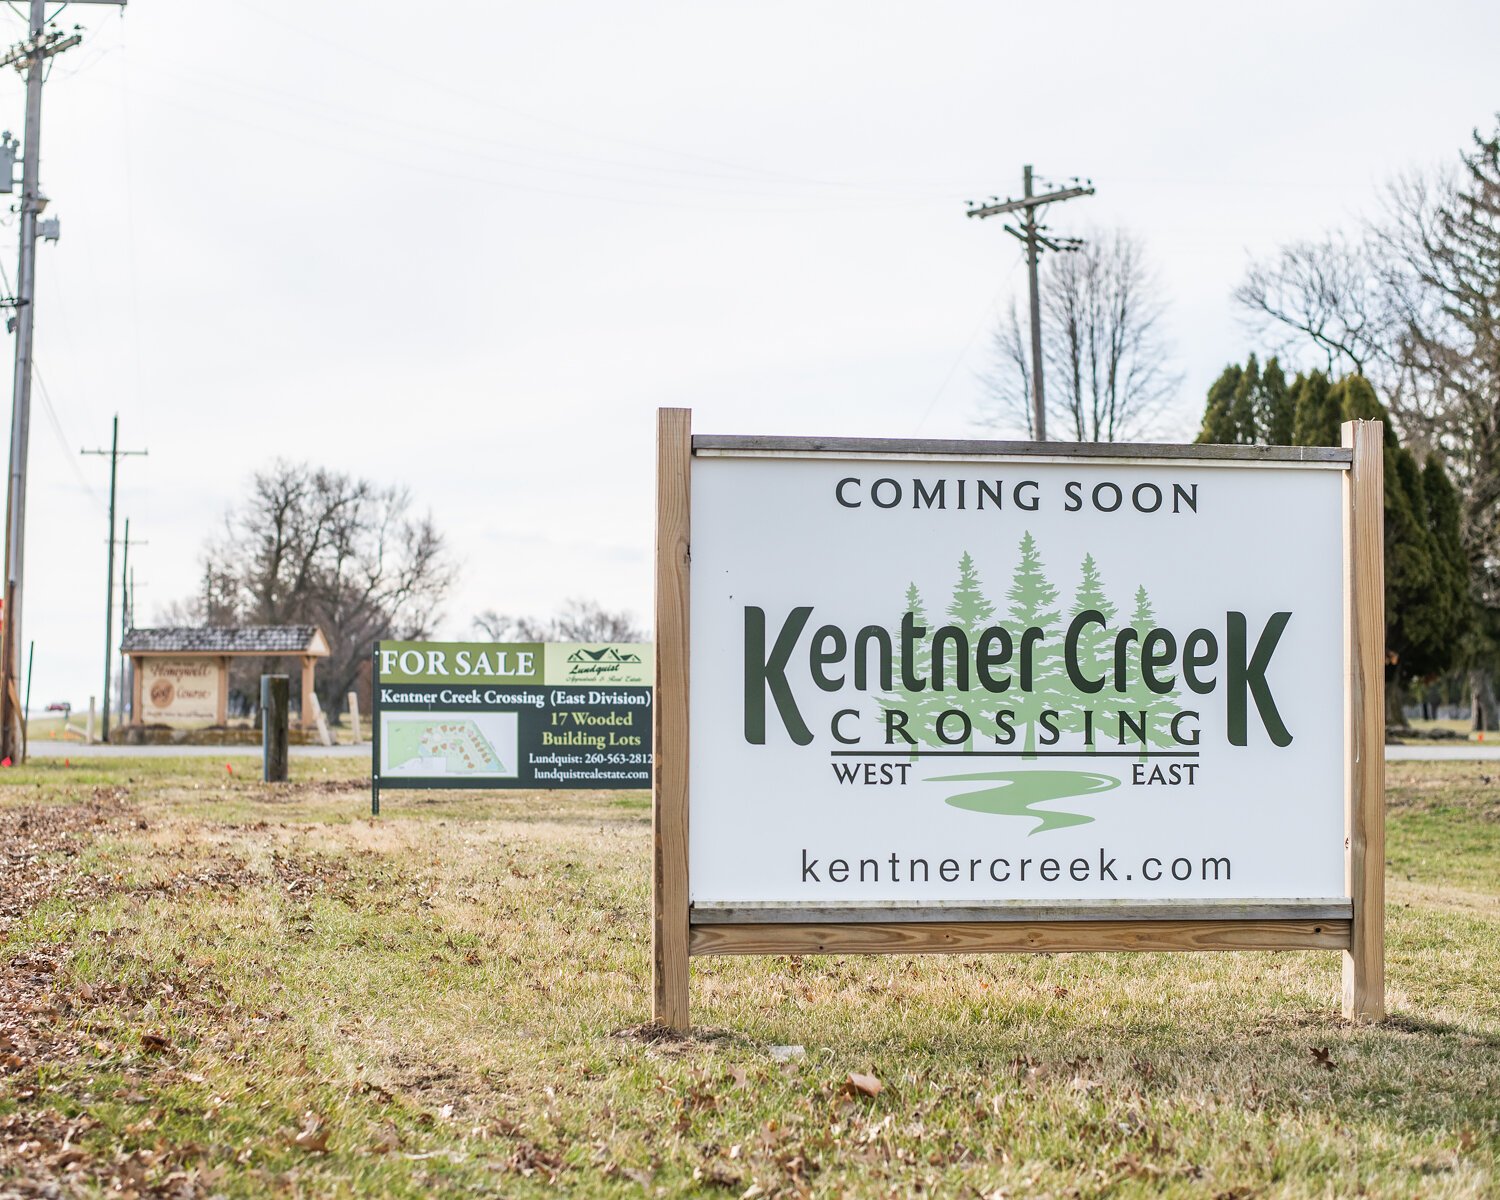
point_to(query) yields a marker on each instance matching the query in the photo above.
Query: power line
(114, 454)
(1031, 234)
(44, 41)
(989, 313)
(64, 442)
(403, 70)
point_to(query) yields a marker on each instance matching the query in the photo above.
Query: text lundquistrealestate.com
(1101, 868)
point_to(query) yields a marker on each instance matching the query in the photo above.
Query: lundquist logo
(605, 664)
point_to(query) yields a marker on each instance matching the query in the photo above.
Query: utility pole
(127, 618)
(124, 614)
(29, 56)
(1033, 235)
(115, 455)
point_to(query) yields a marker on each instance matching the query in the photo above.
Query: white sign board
(921, 680)
(181, 692)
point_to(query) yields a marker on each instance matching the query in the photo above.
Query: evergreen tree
(922, 707)
(1457, 620)
(1244, 408)
(1153, 710)
(1095, 654)
(1032, 605)
(1315, 420)
(1430, 613)
(1428, 610)
(1249, 406)
(1218, 418)
(1277, 407)
(970, 611)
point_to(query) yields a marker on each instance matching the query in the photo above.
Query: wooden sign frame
(1358, 930)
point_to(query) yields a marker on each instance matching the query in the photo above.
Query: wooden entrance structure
(220, 644)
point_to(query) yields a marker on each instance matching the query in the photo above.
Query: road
(1437, 752)
(1444, 751)
(40, 749)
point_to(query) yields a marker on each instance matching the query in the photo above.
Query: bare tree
(493, 626)
(317, 547)
(1331, 292)
(1008, 383)
(580, 621)
(1414, 302)
(1106, 358)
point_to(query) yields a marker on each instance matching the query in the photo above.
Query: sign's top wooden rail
(1336, 458)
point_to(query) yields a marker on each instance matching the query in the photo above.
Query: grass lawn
(212, 986)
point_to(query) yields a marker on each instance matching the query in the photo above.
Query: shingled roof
(241, 639)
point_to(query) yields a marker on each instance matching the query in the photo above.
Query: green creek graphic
(1013, 794)
(1033, 602)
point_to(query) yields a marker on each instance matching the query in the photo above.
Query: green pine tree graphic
(969, 611)
(1032, 606)
(1033, 603)
(1095, 655)
(922, 707)
(1151, 710)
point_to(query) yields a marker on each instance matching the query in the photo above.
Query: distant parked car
(61, 706)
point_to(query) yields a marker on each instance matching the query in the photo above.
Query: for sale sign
(514, 715)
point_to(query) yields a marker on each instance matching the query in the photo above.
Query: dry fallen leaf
(863, 1085)
(313, 1136)
(1322, 1057)
(154, 1043)
(717, 1174)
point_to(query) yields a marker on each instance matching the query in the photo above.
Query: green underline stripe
(1012, 754)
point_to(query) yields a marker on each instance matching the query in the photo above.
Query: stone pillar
(308, 720)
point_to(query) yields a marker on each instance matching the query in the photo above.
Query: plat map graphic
(455, 742)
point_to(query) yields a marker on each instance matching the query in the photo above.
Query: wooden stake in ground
(275, 701)
(1364, 719)
(354, 717)
(669, 790)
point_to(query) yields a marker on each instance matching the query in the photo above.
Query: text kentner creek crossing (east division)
(1024, 667)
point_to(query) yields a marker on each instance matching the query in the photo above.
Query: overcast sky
(471, 247)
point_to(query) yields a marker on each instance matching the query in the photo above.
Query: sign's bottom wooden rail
(990, 937)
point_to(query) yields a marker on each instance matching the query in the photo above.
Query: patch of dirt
(40, 1154)
(302, 790)
(665, 1040)
(303, 876)
(37, 842)
(1475, 790)
(224, 874)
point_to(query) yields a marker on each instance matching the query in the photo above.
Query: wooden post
(1364, 719)
(221, 706)
(88, 736)
(324, 736)
(669, 791)
(275, 698)
(354, 717)
(136, 715)
(309, 717)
